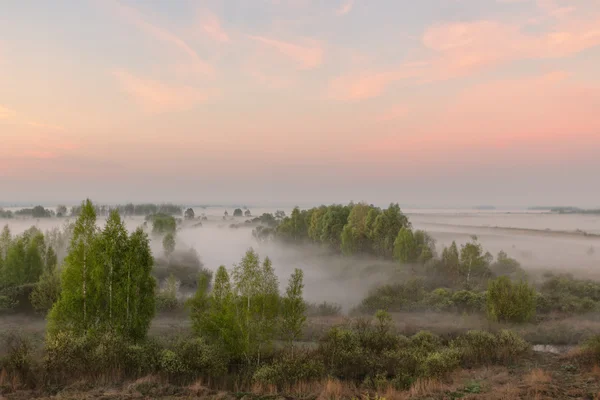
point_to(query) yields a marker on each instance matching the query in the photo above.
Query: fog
(540, 241)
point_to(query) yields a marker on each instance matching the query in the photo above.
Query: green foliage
(295, 227)
(293, 308)
(563, 293)
(474, 264)
(162, 223)
(289, 368)
(6, 214)
(395, 297)
(482, 348)
(35, 212)
(511, 302)
(169, 244)
(46, 291)
(167, 298)
(505, 265)
(106, 282)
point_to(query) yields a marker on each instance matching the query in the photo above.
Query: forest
(101, 287)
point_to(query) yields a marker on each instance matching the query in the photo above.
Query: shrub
(511, 302)
(510, 346)
(16, 357)
(68, 354)
(201, 358)
(439, 363)
(171, 364)
(425, 342)
(469, 301)
(290, 368)
(477, 347)
(395, 297)
(439, 299)
(590, 350)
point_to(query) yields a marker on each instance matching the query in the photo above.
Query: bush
(425, 342)
(476, 347)
(201, 358)
(171, 364)
(440, 363)
(16, 357)
(510, 302)
(395, 297)
(510, 346)
(290, 368)
(468, 301)
(480, 348)
(590, 350)
(439, 300)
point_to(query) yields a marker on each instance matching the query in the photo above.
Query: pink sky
(305, 99)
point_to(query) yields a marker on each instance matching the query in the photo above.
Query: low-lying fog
(537, 240)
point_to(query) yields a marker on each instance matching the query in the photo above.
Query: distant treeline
(568, 210)
(35, 212)
(134, 209)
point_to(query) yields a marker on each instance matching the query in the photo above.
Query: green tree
(385, 230)
(473, 262)
(238, 212)
(169, 244)
(510, 302)
(112, 245)
(451, 261)
(136, 293)
(76, 310)
(293, 308)
(405, 246)
(355, 236)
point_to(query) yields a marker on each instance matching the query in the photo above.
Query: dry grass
(538, 381)
(427, 387)
(261, 389)
(333, 390)
(595, 372)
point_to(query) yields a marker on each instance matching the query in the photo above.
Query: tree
(238, 212)
(510, 302)
(279, 215)
(61, 211)
(75, 311)
(111, 246)
(247, 213)
(214, 315)
(405, 246)
(138, 287)
(451, 261)
(190, 214)
(355, 234)
(169, 244)
(257, 300)
(47, 290)
(162, 223)
(293, 308)
(385, 229)
(473, 262)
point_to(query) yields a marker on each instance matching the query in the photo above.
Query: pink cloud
(366, 85)
(345, 8)
(211, 26)
(135, 18)
(308, 57)
(155, 96)
(461, 49)
(539, 119)
(6, 113)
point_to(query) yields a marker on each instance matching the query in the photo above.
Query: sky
(429, 103)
